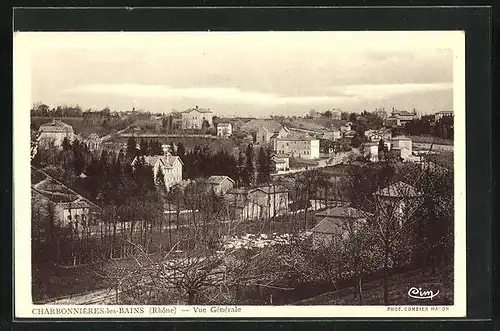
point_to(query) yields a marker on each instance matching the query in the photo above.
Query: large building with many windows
(297, 146)
(194, 118)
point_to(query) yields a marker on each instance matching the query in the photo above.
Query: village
(195, 186)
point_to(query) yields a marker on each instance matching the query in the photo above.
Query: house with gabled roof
(168, 165)
(272, 199)
(219, 184)
(268, 130)
(69, 207)
(334, 224)
(280, 162)
(54, 132)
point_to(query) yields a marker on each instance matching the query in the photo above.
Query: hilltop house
(168, 165)
(219, 184)
(269, 130)
(224, 130)
(334, 224)
(297, 145)
(55, 132)
(401, 117)
(193, 118)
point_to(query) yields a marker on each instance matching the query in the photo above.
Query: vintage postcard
(239, 174)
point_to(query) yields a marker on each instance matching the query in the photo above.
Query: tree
(181, 150)
(240, 179)
(249, 167)
(264, 166)
(205, 125)
(131, 148)
(353, 117)
(159, 179)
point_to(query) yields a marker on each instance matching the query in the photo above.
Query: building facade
(272, 200)
(224, 130)
(54, 133)
(169, 166)
(298, 146)
(270, 130)
(402, 146)
(440, 114)
(194, 118)
(219, 184)
(370, 151)
(280, 162)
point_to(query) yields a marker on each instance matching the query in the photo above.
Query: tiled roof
(218, 179)
(199, 110)
(224, 124)
(400, 138)
(269, 189)
(343, 212)
(326, 225)
(167, 161)
(398, 189)
(56, 126)
(296, 136)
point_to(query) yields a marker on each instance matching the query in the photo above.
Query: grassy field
(399, 285)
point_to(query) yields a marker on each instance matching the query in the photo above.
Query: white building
(370, 151)
(281, 162)
(194, 118)
(224, 130)
(298, 146)
(440, 114)
(402, 145)
(168, 165)
(55, 132)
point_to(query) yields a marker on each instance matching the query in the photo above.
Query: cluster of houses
(69, 208)
(335, 224)
(400, 147)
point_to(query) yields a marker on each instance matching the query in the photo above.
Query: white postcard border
(24, 308)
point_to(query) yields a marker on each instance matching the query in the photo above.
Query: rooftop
(326, 225)
(166, 160)
(55, 126)
(398, 189)
(343, 212)
(218, 179)
(199, 110)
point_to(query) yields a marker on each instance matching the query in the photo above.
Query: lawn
(399, 286)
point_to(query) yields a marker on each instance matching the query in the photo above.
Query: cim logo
(418, 293)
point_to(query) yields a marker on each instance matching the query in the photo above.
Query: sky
(244, 74)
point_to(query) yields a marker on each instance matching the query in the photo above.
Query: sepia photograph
(221, 170)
